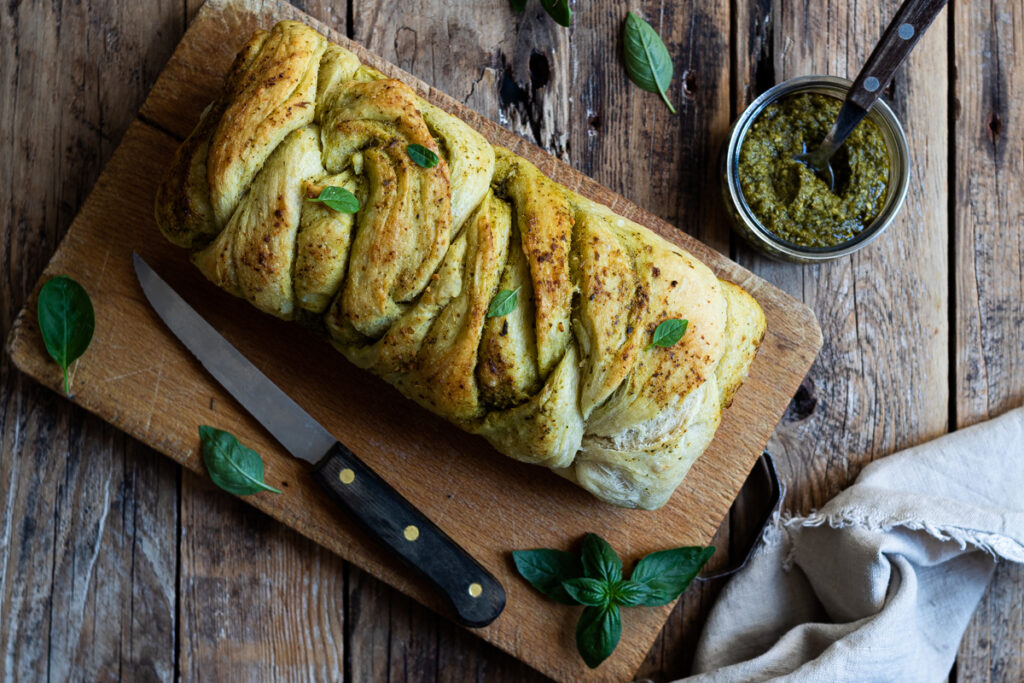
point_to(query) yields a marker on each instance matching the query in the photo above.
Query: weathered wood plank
(628, 140)
(87, 516)
(881, 380)
(989, 284)
(258, 601)
(112, 611)
(334, 14)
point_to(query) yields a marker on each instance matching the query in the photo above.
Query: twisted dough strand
(402, 288)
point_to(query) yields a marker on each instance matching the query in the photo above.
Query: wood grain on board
(139, 378)
(989, 282)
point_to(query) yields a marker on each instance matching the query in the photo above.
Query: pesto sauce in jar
(787, 198)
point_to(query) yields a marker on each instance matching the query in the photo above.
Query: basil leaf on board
(667, 573)
(518, 6)
(422, 156)
(503, 303)
(648, 62)
(66, 321)
(599, 560)
(587, 591)
(558, 10)
(595, 581)
(597, 633)
(546, 570)
(232, 466)
(338, 198)
(630, 593)
(668, 333)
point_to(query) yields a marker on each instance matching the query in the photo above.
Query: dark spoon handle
(911, 21)
(905, 29)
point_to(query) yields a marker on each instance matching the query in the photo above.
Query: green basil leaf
(599, 560)
(668, 332)
(422, 156)
(630, 593)
(597, 633)
(503, 303)
(648, 62)
(338, 198)
(546, 569)
(586, 591)
(66, 321)
(518, 6)
(232, 466)
(558, 10)
(667, 573)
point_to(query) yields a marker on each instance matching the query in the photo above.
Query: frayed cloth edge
(998, 546)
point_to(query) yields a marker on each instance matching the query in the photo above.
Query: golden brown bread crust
(568, 379)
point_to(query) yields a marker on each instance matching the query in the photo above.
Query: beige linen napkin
(879, 584)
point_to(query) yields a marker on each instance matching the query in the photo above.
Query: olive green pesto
(787, 198)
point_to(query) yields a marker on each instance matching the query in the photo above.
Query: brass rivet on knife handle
(476, 596)
(346, 476)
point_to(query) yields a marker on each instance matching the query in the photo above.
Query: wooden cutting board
(138, 377)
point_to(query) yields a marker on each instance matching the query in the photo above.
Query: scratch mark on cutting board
(103, 266)
(132, 373)
(156, 390)
(446, 484)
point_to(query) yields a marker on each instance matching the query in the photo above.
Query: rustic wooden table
(115, 563)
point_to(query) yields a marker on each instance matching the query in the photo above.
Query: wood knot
(995, 127)
(690, 84)
(803, 403)
(540, 70)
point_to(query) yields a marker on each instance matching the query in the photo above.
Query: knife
(476, 596)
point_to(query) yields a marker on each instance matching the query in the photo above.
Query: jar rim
(896, 189)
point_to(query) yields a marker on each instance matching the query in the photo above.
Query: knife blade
(475, 595)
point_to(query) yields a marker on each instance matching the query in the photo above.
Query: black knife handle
(476, 596)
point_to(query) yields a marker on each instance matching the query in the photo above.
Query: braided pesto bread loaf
(568, 379)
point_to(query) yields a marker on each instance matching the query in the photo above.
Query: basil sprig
(66, 321)
(668, 333)
(558, 10)
(594, 580)
(503, 303)
(648, 62)
(422, 156)
(232, 466)
(338, 198)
